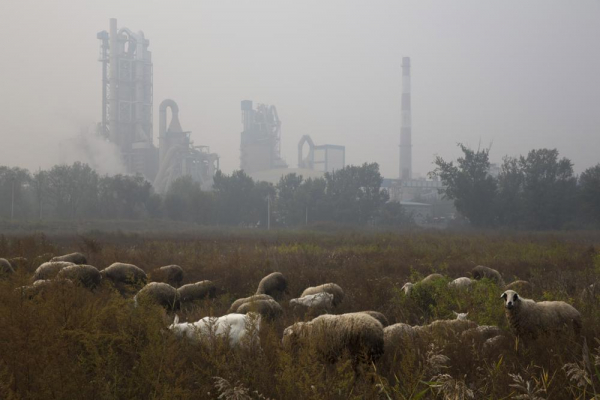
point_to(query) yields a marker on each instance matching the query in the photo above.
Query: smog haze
(520, 75)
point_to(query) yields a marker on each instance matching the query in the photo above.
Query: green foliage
(589, 183)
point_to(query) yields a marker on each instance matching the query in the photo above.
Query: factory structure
(127, 115)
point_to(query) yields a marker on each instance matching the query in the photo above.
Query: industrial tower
(405, 129)
(127, 98)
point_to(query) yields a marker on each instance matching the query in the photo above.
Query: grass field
(73, 343)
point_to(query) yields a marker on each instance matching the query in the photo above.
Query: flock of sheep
(359, 334)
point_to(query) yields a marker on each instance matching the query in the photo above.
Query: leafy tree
(510, 200)
(73, 190)
(124, 196)
(185, 201)
(15, 185)
(393, 215)
(289, 207)
(312, 199)
(549, 189)
(589, 189)
(470, 185)
(235, 199)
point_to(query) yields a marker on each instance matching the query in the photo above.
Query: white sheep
(408, 286)
(481, 272)
(197, 291)
(274, 284)
(332, 288)
(530, 318)
(75, 258)
(461, 283)
(160, 293)
(235, 327)
(236, 304)
(86, 275)
(5, 267)
(269, 309)
(333, 335)
(50, 269)
(171, 274)
(313, 304)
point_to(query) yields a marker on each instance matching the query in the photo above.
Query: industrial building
(127, 115)
(324, 158)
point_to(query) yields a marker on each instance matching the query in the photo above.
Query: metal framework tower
(405, 130)
(127, 97)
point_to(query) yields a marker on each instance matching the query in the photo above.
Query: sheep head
(511, 299)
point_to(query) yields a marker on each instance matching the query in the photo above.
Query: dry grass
(71, 343)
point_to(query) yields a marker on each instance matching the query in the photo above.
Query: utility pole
(12, 200)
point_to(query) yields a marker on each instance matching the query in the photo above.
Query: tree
(73, 190)
(235, 199)
(549, 189)
(589, 190)
(393, 215)
(124, 196)
(15, 196)
(509, 203)
(470, 185)
(290, 209)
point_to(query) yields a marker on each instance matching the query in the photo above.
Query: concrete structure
(324, 158)
(177, 154)
(260, 139)
(127, 97)
(405, 130)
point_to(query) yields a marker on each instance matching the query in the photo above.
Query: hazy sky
(522, 74)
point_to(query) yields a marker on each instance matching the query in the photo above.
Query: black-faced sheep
(197, 291)
(85, 275)
(236, 327)
(333, 335)
(75, 258)
(160, 293)
(50, 269)
(269, 309)
(5, 267)
(236, 304)
(124, 276)
(274, 284)
(481, 272)
(332, 288)
(313, 304)
(529, 318)
(429, 279)
(171, 274)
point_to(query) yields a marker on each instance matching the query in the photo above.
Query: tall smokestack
(405, 130)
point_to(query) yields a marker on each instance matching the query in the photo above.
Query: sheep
(41, 285)
(408, 286)
(236, 304)
(236, 327)
(75, 258)
(529, 318)
(197, 291)
(6, 267)
(50, 269)
(86, 275)
(313, 304)
(19, 262)
(461, 283)
(378, 316)
(332, 335)
(274, 285)
(481, 272)
(160, 293)
(519, 286)
(269, 309)
(123, 275)
(334, 289)
(461, 316)
(171, 274)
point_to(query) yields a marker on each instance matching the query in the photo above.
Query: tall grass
(71, 343)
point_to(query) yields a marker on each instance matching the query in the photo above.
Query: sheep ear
(176, 320)
(455, 313)
(503, 296)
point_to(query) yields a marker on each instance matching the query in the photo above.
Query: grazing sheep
(235, 327)
(520, 286)
(269, 309)
(461, 283)
(75, 258)
(378, 316)
(50, 269)
(86, 275)
(5, 267)
(481, 333)
(121, 274)
(197, 291)
(332, 335)
(19, 262)
(398, 337)
(332, 288)
(236, 304)
(313, 304)
(408, 286)
(274, 285)
(160, 293)
(530, 318)
(171, 274)
(40, 286)
(481, 272)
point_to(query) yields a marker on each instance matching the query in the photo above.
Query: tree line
(537, 191)
(352, 195)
